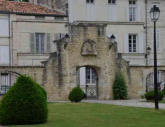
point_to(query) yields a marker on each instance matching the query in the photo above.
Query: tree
(24, 103)
(119, 87)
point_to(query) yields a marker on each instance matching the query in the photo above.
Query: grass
(163, 101)
(100, 115)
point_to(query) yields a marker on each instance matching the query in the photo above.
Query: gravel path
(133, 103)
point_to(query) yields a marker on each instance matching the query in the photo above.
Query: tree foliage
(24, 103)
(119, 87)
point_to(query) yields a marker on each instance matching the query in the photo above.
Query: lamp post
(155, 13)
(113, 38)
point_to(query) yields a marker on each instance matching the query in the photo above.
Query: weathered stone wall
(62, 76)
(138, 75)
(35, 72)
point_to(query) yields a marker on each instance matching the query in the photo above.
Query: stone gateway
(83, 58)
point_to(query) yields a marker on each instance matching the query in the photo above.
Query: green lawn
(101, 115)
(163, 101)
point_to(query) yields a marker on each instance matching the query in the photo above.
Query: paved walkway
(133, 103)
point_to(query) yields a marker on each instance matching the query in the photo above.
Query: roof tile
(26, 8)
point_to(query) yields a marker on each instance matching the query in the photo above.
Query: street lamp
(155, 13)
(113, 38)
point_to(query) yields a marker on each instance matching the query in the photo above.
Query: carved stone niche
(89, 48)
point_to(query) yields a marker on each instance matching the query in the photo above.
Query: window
(40, 39)
(112, 10)
(132, 10)
(132, 43)
(4, 82)
(90, 1)
(91, 10)
(100, 31)
(59, 18)
(40, 17)
(40, 42)
(111, 1)
(90, 75)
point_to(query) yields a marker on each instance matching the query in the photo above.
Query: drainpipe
(146, 32)
(10, 63)
(59, 62)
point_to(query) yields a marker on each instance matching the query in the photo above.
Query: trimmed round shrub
(24, 103)
(150, 95)
(76, 94)
(119, 87)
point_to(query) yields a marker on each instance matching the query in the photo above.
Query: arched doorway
(88, 81)
(150, 80)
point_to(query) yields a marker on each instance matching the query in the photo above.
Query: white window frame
(40, 48)
(4, 82)
(132, 48)
(132, 10)
(89, 71)
(111, 1)
(90, 1)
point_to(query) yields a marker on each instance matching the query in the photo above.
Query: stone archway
(88, 81)
(150, 80)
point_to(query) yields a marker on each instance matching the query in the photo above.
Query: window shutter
(141, 43)
(91, 13)
(111, 12)
(138, 13)
(4, 54)
(32, 42)
(126, 43)
(158, 39)
(114, 13)
(158, 43)
(127, 13)
(48, 42)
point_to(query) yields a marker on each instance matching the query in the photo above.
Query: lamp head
(154, 13)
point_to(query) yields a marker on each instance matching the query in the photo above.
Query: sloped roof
(26, 8)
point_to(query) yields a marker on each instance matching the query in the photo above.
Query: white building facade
(26, 39)
(129, 21)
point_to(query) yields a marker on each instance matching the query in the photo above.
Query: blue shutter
(37, 43)
(48, 42)
(42, 42)
(126, 43)
(141, 43)
(32, 42)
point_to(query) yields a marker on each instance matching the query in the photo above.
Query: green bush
(76, 94)
(150, 95)
(163, 91)
(24, 103)
(119, 87)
